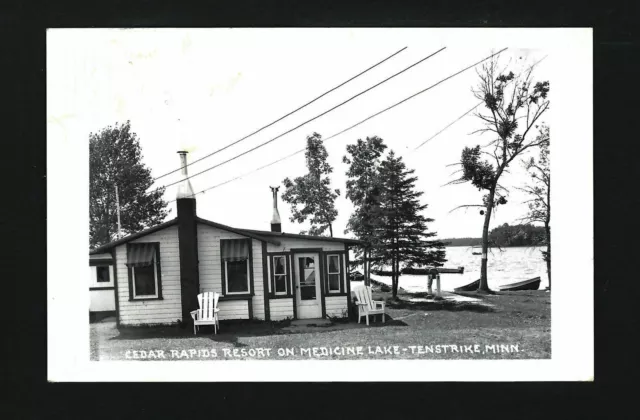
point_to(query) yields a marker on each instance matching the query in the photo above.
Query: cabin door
(307, 279)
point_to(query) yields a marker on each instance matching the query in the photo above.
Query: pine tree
(403, 237)
(115, 158)
(310, 196)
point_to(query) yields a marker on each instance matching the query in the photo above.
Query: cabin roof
(298, 236)
(261, 235)
(113, 244)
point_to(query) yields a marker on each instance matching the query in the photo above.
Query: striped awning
(140, 255)
(234, 249)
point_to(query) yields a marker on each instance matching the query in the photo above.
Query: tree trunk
(548, 231)
(394, 280)
(397, 275)
(330, 230)
(365, 267)
(547, 227)
(484, 284)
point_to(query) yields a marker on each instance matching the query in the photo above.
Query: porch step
(309, 322)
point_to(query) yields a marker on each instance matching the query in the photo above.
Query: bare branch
(454, 182)
(467, 206)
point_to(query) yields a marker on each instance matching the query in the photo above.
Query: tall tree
(539, 189)
(115, 159)
(363, 189)
(404, 236)
(311, 196)
(513, 106)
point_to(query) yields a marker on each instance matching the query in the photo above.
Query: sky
(202, 89)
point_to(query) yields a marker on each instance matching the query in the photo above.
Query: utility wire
(284, 116)
(463, 115)
(245, 174)
(415, 94)
(335, 135)
(450, 124)
(306, 122)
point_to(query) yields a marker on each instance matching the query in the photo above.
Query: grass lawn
(507, 325)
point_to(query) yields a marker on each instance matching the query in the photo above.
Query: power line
(245, 174)
(306, 122)
(450, 124)
(284, 116)
(415, 94)
(337, 134)
(463, 115)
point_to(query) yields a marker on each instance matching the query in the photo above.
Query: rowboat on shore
(531, 284)
(469, 287)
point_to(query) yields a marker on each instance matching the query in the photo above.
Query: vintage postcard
(335, 204)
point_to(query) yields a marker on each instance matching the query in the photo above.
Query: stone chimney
(187, 242)
(276, 226)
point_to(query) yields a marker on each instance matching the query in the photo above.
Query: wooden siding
(101, 300)
(233, 309)
(164, 311)
(280, 309)
(336, 306)
(211, 271)
(288, 243)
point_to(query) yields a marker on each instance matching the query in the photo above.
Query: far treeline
(506, 236)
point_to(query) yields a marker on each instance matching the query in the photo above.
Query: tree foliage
(539, 189)
(115, 158)
(513, 105)
(311, 196)
(363, 189)
(517, 235)
(403, 236)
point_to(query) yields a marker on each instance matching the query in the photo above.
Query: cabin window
(333, 272)
(102, 274)
(280, 275)
(143, 262)
(237, 276)
(145, 281)
(236, 265)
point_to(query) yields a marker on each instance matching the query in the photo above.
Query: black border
(615, 54)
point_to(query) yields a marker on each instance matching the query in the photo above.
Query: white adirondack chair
(366, 305)
(208, 312)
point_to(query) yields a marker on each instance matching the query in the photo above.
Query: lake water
(507, 266)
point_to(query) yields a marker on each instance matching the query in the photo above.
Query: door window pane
(307, 278)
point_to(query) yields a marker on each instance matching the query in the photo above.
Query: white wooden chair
(208, 312)
(366, 305)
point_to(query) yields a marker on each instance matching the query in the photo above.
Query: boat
(531, 284)
(476, 250)
(469, 287)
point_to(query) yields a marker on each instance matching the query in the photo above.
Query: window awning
(140, 255)
(234, 249)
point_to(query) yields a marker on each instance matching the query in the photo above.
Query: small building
(264, 275)
(101, 285)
